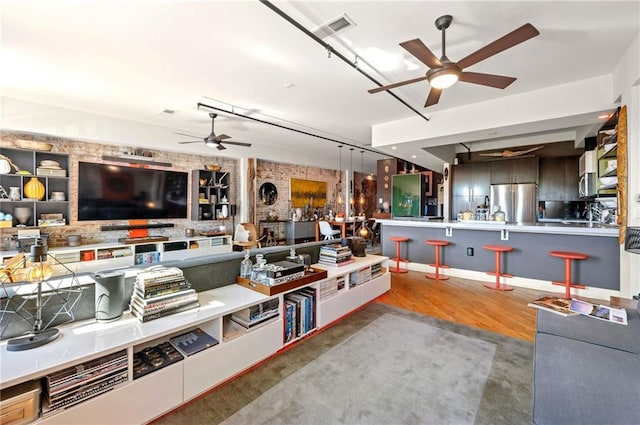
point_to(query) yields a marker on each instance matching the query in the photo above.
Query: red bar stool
(437, 265)
(498, 249)
(568, 256)
(398, 240)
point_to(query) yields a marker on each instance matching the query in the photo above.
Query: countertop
(571, 227)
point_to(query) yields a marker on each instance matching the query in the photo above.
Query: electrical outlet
(504, 235)
(448, 231)
(470, 252)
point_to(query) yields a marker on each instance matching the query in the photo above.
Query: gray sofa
(586, 371)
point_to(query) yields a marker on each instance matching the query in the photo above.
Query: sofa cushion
(588, 329)
(580, 383)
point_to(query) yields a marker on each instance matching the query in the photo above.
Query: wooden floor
(467, 302)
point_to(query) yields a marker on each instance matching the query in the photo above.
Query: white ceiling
(79, 68)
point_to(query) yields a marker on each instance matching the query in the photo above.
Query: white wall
(626, 84)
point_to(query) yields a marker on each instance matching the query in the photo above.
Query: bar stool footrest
(501, 274)
(573, 285)
(394, 270)
(498, 288)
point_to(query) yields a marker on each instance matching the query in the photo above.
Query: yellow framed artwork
(308, 192)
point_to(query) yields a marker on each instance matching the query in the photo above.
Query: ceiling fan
(509, 153)
(214, 141)
(444, 73)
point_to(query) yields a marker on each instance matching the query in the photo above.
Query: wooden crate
(310, 276)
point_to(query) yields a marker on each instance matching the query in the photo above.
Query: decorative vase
(225, 211)
(34, 189)
(14, 193)
(22, 214)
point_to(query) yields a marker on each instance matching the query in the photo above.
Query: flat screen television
(113, 192)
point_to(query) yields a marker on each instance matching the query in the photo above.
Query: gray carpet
(381, 365)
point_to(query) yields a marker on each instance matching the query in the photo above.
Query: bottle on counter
(498, 215)
(246, 266)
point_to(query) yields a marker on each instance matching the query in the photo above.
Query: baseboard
(521, 282)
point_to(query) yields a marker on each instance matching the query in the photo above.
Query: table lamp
(39, 272)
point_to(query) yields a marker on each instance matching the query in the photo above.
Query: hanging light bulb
(40, 270)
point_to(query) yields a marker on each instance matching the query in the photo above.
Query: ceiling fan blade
(434, 97)
(491, 154)
(421, 52)
(394, 85)
(188, 135)
(517, 36)
(220, 147)
(221, 137)
(193, 141)
(229, 142)
(491, 80)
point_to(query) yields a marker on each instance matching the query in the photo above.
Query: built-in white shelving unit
(238, 348)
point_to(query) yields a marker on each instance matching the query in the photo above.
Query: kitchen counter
(565, 227)
(529, 262)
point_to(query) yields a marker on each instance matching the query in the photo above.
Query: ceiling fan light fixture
(443, 78)
(211, 144)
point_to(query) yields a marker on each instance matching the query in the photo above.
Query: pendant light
(351, 200)
(340, 198)
(361, 199)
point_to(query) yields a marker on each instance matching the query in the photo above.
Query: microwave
(588, 163)
(587, 185)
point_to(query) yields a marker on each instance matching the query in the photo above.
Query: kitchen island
(529, 262)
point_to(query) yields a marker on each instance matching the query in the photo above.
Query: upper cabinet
(558, 179)
(38, 195)
(210, 195)
(521, 170)
(471, 184)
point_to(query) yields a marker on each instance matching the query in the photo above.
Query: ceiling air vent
(334, 26)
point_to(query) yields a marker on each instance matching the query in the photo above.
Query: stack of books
(256, 314)
(160, 292)
(335, 255)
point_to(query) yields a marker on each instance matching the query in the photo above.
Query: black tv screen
(112, 192)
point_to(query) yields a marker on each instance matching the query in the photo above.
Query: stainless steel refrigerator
(517, 200)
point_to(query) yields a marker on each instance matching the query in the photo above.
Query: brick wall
(93, 152)
(280, 175)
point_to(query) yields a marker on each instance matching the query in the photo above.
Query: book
(554, 305)
(147, 317)
(193, 342)
(599, 311)
(334, 264)
(167, 298)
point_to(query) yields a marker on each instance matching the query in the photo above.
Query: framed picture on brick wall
(308, 192)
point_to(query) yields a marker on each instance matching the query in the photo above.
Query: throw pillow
(242, 235)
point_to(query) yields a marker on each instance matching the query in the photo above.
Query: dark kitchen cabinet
(521, 170)
(471, 183)
(558, 179)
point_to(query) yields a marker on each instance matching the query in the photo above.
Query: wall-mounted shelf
(135, 160)
(50, 210)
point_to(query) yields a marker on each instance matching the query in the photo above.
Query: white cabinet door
(212, 366)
